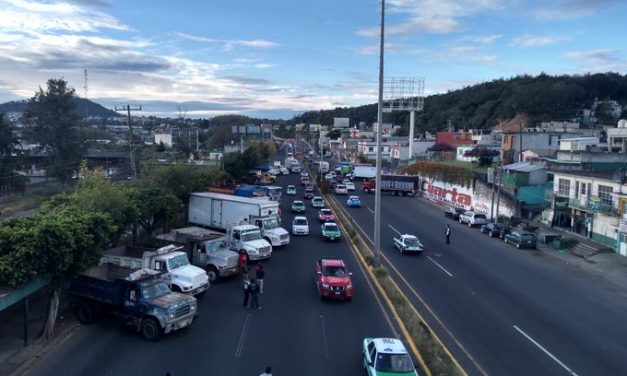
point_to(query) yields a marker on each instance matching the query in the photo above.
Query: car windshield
(177, 262)
(330, 227)
(297, 203)
(270, 223)
(300, 222)
(480, 216)
(154, 290)
(411, 241)
(335, 271)
(325, 211)
(394, 363)
(354, 199)
(527, 237)
(251, 235)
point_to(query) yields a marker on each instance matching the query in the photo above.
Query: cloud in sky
(537, 40)
(600, 60)
(229, 44)
(567, 9)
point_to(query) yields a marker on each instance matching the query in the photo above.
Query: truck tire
(86, 312)
(150, 329)
(175, 288)
(212, 273)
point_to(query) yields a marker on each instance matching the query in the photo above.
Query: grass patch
(32, 198)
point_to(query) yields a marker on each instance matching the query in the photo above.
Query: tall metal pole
(412, 122)
(377, 191)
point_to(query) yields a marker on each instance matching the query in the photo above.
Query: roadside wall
(478, 198)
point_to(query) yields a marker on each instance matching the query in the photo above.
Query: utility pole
(128, 110)
(377, 192)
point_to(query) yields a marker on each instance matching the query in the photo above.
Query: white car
(408, 243)
(386, 356)
(300, 226)
(304, 174)
(473, 218)
(350, 186)
(296, 169)
(329, 177)
(274, 171)
(317, 202)
(340, 189)
(284, 170)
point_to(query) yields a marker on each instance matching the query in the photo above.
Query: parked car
(298, 207)
(454, 213)
(386, 356)
(340, 189)
(349, 186)
(333, 280)
(330, 231)
(472, 218)
(521, 239)
(353, 202)
(317, 202)
(300, 226)
(495, 229)
(308, 193)
(326, 215)
(408, 243)
(291, 190)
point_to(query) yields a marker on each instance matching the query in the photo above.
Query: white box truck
(364, 172)
(220, 211)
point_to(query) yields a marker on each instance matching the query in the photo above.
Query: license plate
(337, 293)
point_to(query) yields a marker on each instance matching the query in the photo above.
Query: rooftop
(523, 167)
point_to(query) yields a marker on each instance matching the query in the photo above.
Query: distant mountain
(539, 98)
(84, 108)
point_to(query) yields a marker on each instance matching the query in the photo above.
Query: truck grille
(232, 261)
(264, 250)
(284, 236)
(182, 311)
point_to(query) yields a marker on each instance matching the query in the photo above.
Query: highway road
(501, 310)
(295, 333)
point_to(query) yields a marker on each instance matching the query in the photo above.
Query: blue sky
(275, 58)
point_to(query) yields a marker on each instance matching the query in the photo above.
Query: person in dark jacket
(259, 274)
(246, 289)
(254, 294)
(243, 262)
(448, 234)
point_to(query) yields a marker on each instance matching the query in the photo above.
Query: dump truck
(141, 298)
(401, 185)
(184, 277)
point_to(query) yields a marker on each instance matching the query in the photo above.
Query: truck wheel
(86, 312)
(175, 288)
(213, 274)
(150, 330)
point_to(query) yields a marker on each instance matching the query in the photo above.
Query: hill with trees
(539, 98)
(84, 108)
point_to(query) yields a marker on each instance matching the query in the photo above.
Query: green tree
(157, 207)
(10, 160)
(55, 124)
(56, 243)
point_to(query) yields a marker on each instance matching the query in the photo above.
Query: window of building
(563, 187)
(605, 194)
(582, 189)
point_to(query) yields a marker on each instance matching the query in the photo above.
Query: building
(617, 137)
(513, 143)
(369, 150)
(454, 139)
(459, 155)
(341, 123)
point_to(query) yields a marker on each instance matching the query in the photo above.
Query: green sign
(560, 203)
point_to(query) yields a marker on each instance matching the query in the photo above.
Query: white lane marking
(395, 230)
(371, 211)
(325, 346)
(440, 266)
(545, 351)
(242, 337)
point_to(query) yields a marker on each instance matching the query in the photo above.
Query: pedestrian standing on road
(268, 371)
(448, 234)
(243, 262)
(246, 289)
(254, 294)
(259, 274)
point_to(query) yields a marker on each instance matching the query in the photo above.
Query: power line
(128, 110)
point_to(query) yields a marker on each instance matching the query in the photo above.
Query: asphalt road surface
(295, 333)
(501, 310)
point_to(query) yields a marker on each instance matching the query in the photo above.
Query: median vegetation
(436, 358)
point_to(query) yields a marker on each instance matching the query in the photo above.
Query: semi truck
(402, 185)
(184, 277)
(207, 249)
(220, 211)
(142, 300)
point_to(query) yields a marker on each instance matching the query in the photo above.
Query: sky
(277, 58)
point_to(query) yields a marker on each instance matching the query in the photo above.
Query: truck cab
(272, 231)
(184, 277)
(249, 239)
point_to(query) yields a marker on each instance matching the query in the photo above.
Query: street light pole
(377, 192)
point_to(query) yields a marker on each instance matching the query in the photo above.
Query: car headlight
(325, 286)
(349, 287)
